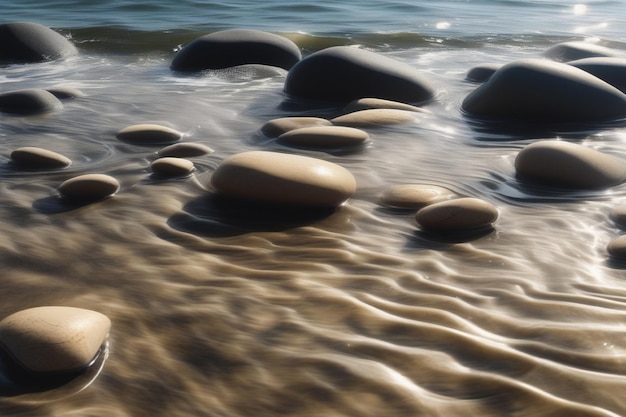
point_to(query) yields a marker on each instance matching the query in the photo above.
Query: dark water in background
(233, 312)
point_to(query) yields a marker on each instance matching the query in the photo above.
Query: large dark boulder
(25, 42)
(233, 47)
(569, 51)
(343, 74)
(29, 102)
(610, 69)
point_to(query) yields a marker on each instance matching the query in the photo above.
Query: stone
(618, 215)
(29, 102)
(172, 167)
(609, 69)
(570, 51)
(413, 196)
(324, 137)
(540, 90)
(26, 42)
(344, 74)
(276, 127)
(37, 158)
(570, 165)
(375, 118)
(481, 73)
(149, 134)
(379, 103)
(234, 47)
(54, 339)
(283, 179)
(63, 93)
(185, 150)
(617, 247)
(89, 187)
(461, 214)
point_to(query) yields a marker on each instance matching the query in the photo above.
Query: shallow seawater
(222, 310)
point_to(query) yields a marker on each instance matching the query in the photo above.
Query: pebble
(324, 137)
(25, 42)
(276, 127)
(611, 70)
(617, 247)
(618, 215)
(38, 158)
(570, 165)
(89, 187)
(461, 214)
(149, 134)
(413, 196)
(569, 51)
(66, 92)
(379, 103)
(29, 102)
(54, 339)
(375, 118)
(277, 178)
(172, 167)
(481, 73)
(185, 150)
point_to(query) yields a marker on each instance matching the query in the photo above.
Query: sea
(237, 311)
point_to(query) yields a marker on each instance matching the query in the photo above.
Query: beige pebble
(149, 134)
(324, 137)
(617, 247)
(413, 196)
(89, 187)
(185, 150)
(379, 103)
(375, 118)
(277, 178)
(457, 215)
(276, 127)
(618, 215)
(54, 338)
(38, 158)
(172, 167)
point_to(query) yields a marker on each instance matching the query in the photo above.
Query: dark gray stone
(25, 42)
(610, 69)
(29, 102)
(569, 51)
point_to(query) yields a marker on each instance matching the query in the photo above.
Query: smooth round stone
(618, 215)
(233, 47)
(29, 102)
(38, 158)
(413, 196)
(569, 51)
(89, 187)
(375, 118)
(276, 127)
(345, 74)
(617, 247)
(185, 150)
(545, 91)
(54, 339)
(172, 167)
(461, 214)
(379, 103)
(63, 93)
(24, 42)
(611, 70)
(481, 73)
(324, 137)
(276, 178)
(149, 134)
(569, 165)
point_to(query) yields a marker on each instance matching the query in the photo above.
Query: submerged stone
(29, 102)
(66, 92)
(89, 187)
(481, 73)
(54, 339)
(569, 51)
(172, 167)
(413, 196)
(149, 134)
(38, 158)
(617, 247)
(185, 150)
(461, 214)
(376, 117)
(618, 215)
(611, 70)
(276, 127)
(344, 74)
(324, 137)
(368, 103)
(25, 42)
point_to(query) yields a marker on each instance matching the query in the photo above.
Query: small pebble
(461, 214)
(66, 92)
(172, 167)
(375, 118)
(185, 150)
(89, 187)
(617, 247)
(324, 137)
(379, 103)
(276, 127)
(37, 158)
(413, 196)
(149, 134)
(481, 73)
(618, 215)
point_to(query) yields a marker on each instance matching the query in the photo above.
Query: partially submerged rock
(185, 150)
(172, 167)
(457, 215)
(569, 51)
(29, 102)
(413, 196)
(324, 137)
(276, 127)
(31, 157)
(375, 118)
(481, 73)
(149, 134)
(609, 69)
(26, 42)
(368, 103)
(89, 187)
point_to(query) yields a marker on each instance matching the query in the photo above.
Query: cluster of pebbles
(574, 83)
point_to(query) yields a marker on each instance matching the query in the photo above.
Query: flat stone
(37, 158)
(185, 150)
(570, 165)
(344, 74)
(89, 187)
(367, 103)
(54, 339)
(149, 134)
(376, 118)
(541, 90)
(324, 137)
(413, 196)
(618, 215)
(29, 102)
(276, 178)
(63, 93)
(481, 73)
(609, 69)
(617, 247)
(461, 214)
(569, 51)
(276, 127)
(172, 167)
(25, 42)
(234, 47)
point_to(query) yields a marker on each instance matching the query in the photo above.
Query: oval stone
(344, 74)
(24, 42)
(54, 339)
(37, 158)
(172, 167)
(233, 47)
(89, 187)
(545, 91)
(149, 134)
(375, 118)
(66, 92)
(324, 137)
(29, 102)
(481, 73)
(276, 127)
(379, 103)
(276, 178)
(611, 70)
(571, 165)
(185, 150)
(413, 196)
(461, 214)
(618, 215)
(617, 247)
(569, 51)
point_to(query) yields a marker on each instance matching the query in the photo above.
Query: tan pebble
(618, 215)
(324, 137)
(149, 134)
(185, 150)
(617, 247)
(457, 215)
(276, 178)
(172, 167)
(89, 187)
(413, 196)
(379, 103)
(276, 127)
(53, 338)
(38, 158)
(375, 117)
